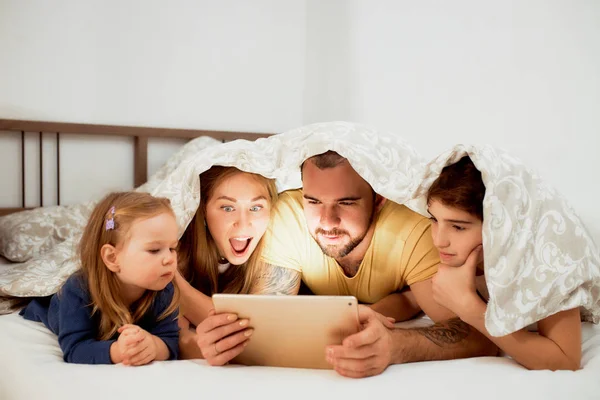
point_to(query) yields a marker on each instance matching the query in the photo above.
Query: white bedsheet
(31, 367)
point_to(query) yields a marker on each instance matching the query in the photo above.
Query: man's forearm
(400, 306)
(445, 340)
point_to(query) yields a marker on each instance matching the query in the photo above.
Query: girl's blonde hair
(198, 252)
(103, 284)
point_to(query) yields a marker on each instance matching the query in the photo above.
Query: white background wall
(227, 65)
(524, 76)
(521, 75)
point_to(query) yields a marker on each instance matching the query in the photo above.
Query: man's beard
(332, 250)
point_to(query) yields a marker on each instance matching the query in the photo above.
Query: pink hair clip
(110, 223)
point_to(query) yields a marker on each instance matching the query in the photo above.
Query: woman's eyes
(458, 228)
(231, 209)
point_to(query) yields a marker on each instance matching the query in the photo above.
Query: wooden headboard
(140, 148)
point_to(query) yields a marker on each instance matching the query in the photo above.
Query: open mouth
(240, 245)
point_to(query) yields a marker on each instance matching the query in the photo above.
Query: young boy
(455, 202)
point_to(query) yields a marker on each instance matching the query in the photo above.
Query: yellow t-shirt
(401, 252)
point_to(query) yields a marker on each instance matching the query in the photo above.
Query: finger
(137, 358)
(221, 332)
(141, 357)
(480, 255)
(149, 358)
(226, 356)
(388, 322)
(367, 314)
(357, 365)
(335, 353)
(367, 336)
(126, 327)
(355, 374)
(133, 351)
(472, 259)
(364, 313)
(214, 321)
(231, 341)
(134, 332)
(132, 339)
(128, 341)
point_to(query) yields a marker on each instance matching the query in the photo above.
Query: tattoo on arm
(446, 333)
(277, 280)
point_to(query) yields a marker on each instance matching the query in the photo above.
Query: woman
(219, 253)
(455, 202)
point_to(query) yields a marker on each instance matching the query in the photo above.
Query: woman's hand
(222, 337)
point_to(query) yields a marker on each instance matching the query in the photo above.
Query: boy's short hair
(460, 186)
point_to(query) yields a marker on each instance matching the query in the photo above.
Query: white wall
(227, 65)
(521, 75)
(524, 76)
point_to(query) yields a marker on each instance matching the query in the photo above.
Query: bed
(32, 365)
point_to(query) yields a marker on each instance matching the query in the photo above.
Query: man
(342, 238)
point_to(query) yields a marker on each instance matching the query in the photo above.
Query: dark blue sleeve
(76, 328)
(166, 329)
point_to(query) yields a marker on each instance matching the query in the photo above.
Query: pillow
(42, 275)
(28, 234)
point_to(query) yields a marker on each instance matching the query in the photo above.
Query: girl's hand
(127, 338)
(222, 337)
(139, 346)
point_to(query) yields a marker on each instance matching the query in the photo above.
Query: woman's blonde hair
(198, 252)
(120, 209)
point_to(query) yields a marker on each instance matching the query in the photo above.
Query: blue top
(68, 314)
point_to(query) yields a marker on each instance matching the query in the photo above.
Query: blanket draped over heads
(389, 164)
(539, 259)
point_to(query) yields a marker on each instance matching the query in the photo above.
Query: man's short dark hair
(329, 159)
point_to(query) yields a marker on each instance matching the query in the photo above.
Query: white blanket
(539, 258)
(31, 367)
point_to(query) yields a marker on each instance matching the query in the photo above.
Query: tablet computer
(291, 331)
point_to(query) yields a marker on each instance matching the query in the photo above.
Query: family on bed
(140, 289)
